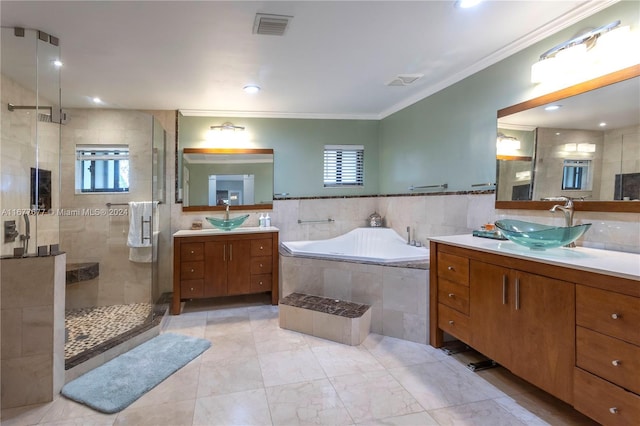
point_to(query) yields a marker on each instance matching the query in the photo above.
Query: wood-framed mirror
(562, 155)
(215, 178)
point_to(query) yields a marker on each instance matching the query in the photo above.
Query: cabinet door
(239, 267)
(215, 274)
(489, 311)
(543, 333)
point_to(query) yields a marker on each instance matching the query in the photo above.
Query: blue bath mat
(116, 384)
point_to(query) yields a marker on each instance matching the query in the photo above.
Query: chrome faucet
(567, 210)
(226, 212)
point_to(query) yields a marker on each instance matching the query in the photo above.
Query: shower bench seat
(338, 320)
(76, 272)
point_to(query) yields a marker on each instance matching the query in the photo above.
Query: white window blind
(343, 165)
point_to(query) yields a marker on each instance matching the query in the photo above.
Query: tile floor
(258, 374)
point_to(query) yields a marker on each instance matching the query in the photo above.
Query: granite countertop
(214, 231)
(608, 262)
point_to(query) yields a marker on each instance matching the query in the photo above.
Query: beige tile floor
(258, 374)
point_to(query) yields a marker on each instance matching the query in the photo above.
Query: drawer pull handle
(450, 322)
(450, 268)
(452, 295)
(613, 410)
(616, 316)
(261, 248)
(191, 289)
(261, 265)
(616, 362)
(260, 282)
(192, 251)
(192, 270)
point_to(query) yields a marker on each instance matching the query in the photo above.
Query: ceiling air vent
(404, 79)
(267, 24)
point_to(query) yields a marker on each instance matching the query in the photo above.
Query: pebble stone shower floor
(89, 327)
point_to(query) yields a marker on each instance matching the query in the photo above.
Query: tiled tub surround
(427, 215)
(32, 306)
(397, 294)
(338, 320)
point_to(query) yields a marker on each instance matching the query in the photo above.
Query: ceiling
(334, 59)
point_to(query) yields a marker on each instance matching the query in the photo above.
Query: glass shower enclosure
(47, 154)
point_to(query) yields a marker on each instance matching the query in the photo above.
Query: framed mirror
(215, 178)
(581, 142)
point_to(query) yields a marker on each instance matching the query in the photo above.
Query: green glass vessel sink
(227, 224)
(540, 237)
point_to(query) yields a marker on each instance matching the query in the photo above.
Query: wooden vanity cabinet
(573, 333)
(524, 322)
(224, 265)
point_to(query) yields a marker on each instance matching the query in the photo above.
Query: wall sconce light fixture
(227, 126)
(597, 52)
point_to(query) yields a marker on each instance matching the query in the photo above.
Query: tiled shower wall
(103, 237)
(18, 156)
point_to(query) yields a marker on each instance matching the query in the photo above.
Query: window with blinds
(343, 165)
(102, 168)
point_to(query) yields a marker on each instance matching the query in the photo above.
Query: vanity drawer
(262, 247)
(453, 322)
(191, 288)
(453, 268)
(605, 403)
(260, 283)
(454, 295)
(609, 358)
(190, 252)
(191, 270)
(609, 313)
(261, 265)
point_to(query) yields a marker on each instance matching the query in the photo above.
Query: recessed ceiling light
(251, 88)
(97, 100)
(57, 63)
(603, 124)
(466, 4)
(552, 107)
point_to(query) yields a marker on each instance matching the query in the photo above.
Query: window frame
(334, 174)
(104, 153)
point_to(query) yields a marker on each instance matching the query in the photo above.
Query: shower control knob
(616, 362)
(616, 316)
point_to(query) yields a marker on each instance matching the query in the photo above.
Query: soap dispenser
(262, 220)
(267, 221)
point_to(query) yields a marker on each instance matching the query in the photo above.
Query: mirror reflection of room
(573, 147)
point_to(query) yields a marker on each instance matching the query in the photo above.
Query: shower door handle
(142, 222)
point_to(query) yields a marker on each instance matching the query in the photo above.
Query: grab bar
(482, 184)
(316, 221)
(443, 186)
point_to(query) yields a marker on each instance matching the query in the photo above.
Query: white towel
(140, 219)
(141, 249)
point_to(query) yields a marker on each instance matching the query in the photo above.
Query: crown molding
(266, 114)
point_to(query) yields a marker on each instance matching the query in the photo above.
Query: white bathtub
(374, 245)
